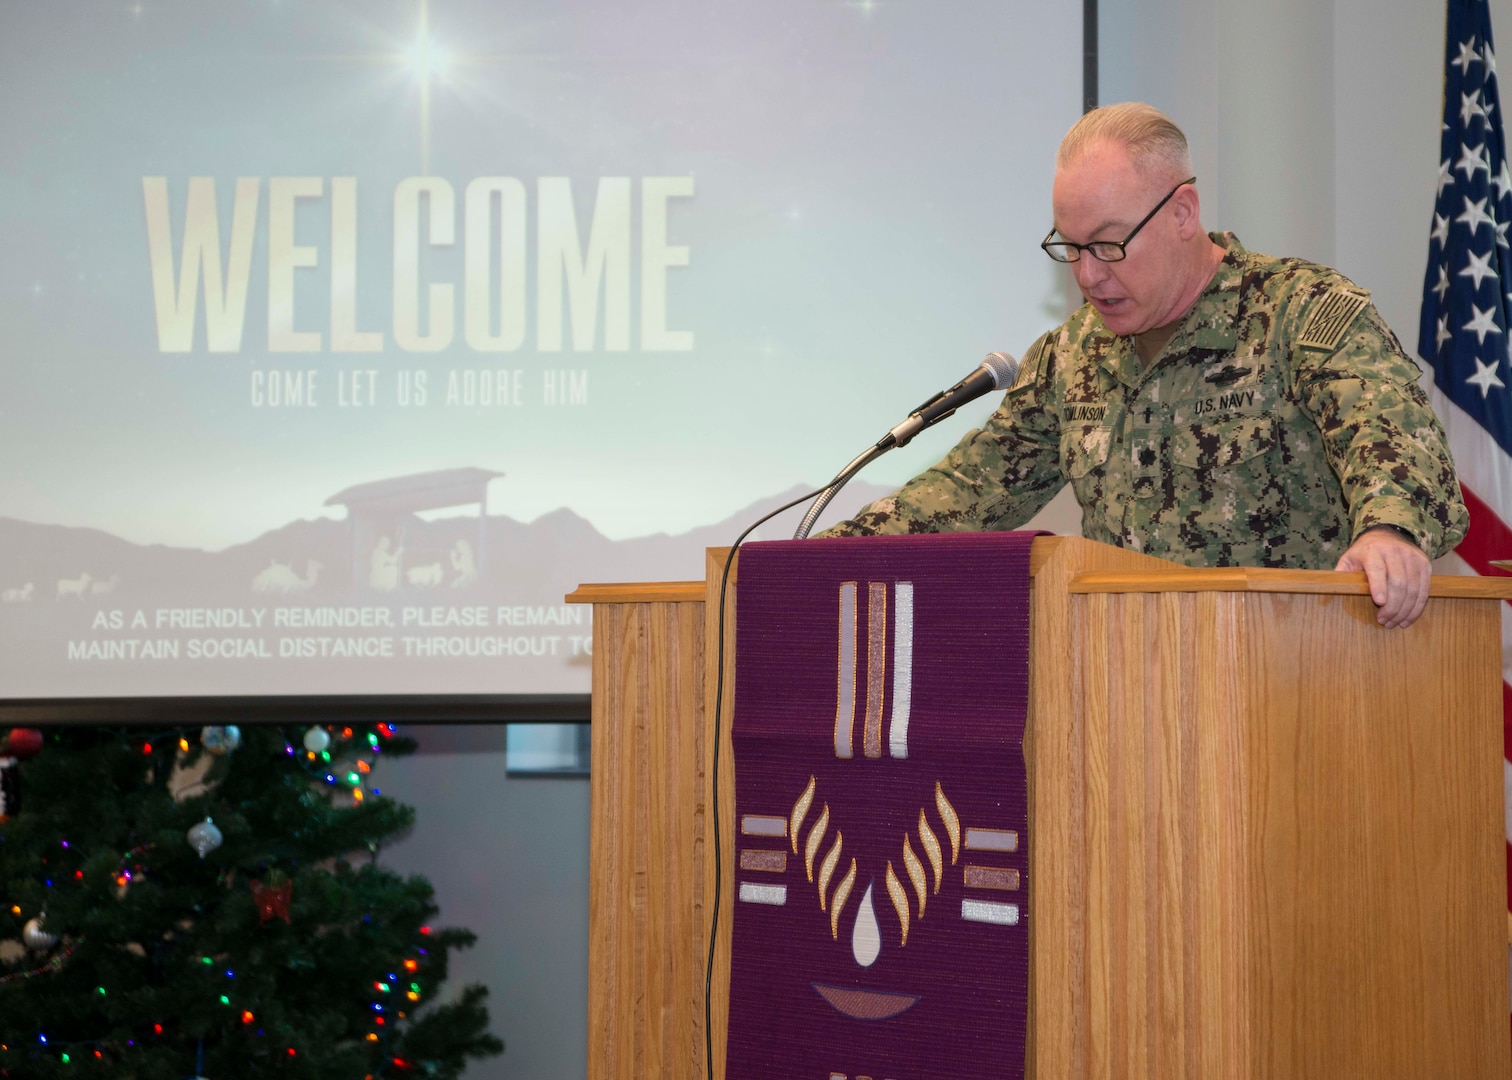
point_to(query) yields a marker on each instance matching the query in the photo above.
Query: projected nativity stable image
(342, 342)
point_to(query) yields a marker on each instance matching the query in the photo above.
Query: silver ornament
(317, 739)
(204, 837)
(220, 740)
(36, 938)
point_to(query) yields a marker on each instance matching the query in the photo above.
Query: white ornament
(204, 837)
(36, 938)
(220, 740)
(317, 739)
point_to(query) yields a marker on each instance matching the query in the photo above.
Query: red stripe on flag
(1487, 538)
(1507, 723)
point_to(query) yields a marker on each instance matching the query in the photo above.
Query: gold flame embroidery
(827, 868)
(931, 845)
(842, 894)
(899, 900)
(952, 822)
(915, 870)
(811, 848)
(800, 811)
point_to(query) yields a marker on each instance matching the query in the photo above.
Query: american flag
(1463, 333)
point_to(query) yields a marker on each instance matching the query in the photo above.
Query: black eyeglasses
(1104, 250)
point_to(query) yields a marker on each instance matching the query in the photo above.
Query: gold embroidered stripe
(991, 877)
(876, 665)
(774, 862)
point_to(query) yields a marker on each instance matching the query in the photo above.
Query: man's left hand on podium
(1397, 571)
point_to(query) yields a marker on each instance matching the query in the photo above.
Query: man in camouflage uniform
(1208, 405)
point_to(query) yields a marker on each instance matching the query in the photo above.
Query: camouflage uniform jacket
(1281, 421)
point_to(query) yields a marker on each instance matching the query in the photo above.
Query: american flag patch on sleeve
(1331, 316)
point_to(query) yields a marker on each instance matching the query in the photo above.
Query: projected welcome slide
(341, 340)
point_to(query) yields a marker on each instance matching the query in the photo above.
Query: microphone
(996, 372)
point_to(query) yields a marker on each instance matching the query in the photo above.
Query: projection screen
(342, 340)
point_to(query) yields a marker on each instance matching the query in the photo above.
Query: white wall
(1314, 123)
(508, 858)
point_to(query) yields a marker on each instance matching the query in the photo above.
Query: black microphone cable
(995, 372)
(724, 582)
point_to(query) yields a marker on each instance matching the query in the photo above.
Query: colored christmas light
(350, 770)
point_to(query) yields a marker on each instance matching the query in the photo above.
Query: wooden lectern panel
(1377, 840)
(1266, 840)
(646, 913)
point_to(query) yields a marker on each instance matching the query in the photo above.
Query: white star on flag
(1443, 282)
(1475, 215)
(1466, 57)
(1471, 160)
(1478, 268)
(1483, 323)
(1470, 378)
(1502, 182)
(1445, 177)
(1485, 378)
(1470, 108)
(1440, 229)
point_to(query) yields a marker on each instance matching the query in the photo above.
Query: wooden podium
(1266, 835)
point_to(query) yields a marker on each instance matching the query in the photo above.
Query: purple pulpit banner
(881, 864)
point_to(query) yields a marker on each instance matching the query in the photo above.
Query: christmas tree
(208, 902)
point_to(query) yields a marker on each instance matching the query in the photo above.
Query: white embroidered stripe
(751, 893)
(988, 912)
(845, 697)
(897, 725)
(992, 839)
(759, 825)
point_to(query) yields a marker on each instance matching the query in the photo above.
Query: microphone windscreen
(1003, 368)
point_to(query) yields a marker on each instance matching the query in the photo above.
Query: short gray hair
(1151, 137)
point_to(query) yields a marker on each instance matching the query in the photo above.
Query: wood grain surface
(645, 906)
(1265, 837)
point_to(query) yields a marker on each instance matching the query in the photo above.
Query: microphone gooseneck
(997, 371)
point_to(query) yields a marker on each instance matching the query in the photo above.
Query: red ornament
(23, 742)
(272, 900)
